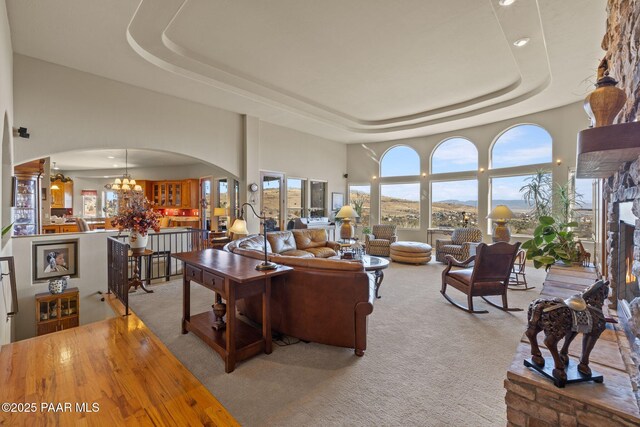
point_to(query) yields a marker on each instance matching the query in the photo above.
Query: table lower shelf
(248, 340)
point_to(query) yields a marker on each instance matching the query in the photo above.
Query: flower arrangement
(138, 216)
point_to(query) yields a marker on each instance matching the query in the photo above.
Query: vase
(137, 242)
(603, 104)
(58, 284)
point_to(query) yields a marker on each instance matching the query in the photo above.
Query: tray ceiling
(353, 71)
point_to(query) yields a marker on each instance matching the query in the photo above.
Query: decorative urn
(57, 285)
(603, 104)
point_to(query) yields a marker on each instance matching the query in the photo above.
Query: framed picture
(337, 201)
(55, 259)
(43, 193)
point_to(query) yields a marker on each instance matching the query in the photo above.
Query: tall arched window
(454, 155)
(400, 201)
(400, 161)
(522, 145)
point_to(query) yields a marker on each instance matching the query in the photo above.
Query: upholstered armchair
(460, 245)
(381, 237)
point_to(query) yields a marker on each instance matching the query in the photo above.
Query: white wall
(6, 123)
(562, 123)
(92, 277)
(300, 155)
(67, 110)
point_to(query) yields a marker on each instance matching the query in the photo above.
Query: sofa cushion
(282, 241)
(322, 252)
(255, 242)
(310, 238)
(297, 253)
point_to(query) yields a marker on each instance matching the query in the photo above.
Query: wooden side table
(231, 277)
(136, 280)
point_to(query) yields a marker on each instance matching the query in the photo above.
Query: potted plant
(138, 217)
(552, 241)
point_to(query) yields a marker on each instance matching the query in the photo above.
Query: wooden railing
(158, 265)
(118, 270)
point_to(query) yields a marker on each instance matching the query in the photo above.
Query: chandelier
(127, 183)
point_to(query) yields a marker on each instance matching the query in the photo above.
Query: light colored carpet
(427, 363)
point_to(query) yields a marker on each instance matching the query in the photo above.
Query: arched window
(454, 155)
(400, 161)
(522, 145)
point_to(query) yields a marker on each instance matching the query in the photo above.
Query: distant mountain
(519, 205)
(472, 203)
(513, 204)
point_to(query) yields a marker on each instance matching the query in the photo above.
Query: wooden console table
(231, 277)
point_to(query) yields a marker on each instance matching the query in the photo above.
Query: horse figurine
(565, 319)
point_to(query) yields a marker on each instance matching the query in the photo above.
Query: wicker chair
(460, 245)
(489, 275)
(378, 242)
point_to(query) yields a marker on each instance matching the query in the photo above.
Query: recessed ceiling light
(110, 157)
(521, 42)
(506, 2)
(115, 166)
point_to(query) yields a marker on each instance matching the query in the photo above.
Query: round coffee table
(375, 265)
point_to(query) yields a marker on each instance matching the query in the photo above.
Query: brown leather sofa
(322, 300)
(308, 243)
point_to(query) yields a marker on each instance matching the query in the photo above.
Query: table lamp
(220, 212)
(346, 214)
(240, 227)
(500, 214)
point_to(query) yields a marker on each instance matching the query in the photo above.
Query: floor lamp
(500, 215)
(240, 227)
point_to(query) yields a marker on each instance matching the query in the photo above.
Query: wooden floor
(117, 366)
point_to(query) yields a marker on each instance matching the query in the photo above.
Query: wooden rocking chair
(489, 275)
(518, 277)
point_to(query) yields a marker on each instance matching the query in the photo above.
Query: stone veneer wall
(622, 45)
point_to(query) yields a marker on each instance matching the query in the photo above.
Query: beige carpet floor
(427, 363)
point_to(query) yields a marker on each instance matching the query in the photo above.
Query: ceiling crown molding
(147, 35)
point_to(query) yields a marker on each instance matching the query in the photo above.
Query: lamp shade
(219, 212)
(347, 212)
(501, 212)
(55, 187)
(239, 227)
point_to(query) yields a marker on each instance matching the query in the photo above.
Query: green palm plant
(537, 193)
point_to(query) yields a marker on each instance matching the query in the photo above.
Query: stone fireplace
(622, 191)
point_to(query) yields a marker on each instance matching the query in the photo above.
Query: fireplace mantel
(602, 150)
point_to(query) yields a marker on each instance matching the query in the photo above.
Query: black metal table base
(573, 375)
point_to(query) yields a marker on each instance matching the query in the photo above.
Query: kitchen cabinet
(60, 228)
(190, 193)
(62, 198)
(174, 194)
